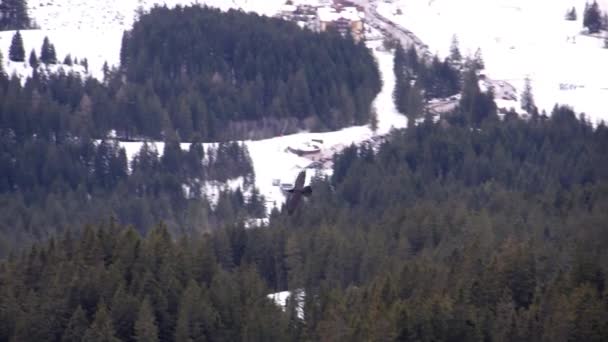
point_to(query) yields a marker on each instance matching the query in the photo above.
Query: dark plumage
(295, 194)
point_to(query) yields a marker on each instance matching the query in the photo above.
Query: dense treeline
(47, 187)
(444, 232)
(449, 232)
(198, 72)
(112, 285)
(227, 74)
(13, 15)
(418, 80)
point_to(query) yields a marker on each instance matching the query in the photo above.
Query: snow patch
(280, 299)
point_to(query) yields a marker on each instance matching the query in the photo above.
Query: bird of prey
(299, 190)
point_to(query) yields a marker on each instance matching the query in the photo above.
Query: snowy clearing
(272, 161)
(518, 38)
(280, 299)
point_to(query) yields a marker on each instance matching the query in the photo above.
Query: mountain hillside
(518, 39)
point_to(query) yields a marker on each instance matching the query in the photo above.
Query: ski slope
(518, 38)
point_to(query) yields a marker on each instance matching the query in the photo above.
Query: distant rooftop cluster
(341, 15)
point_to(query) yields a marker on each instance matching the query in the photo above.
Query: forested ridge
(445, 232)
(59, 169)
(473, 227)
(226, 74)
(48, 187)
(197, 72)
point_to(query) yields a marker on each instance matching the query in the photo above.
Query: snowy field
(518, 38)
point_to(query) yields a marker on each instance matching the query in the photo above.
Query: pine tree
(455, 55)
(527, 99)
(478, 60)
(16, 50)
(146, 329)
(101, 329)
(571, 14)
(106, 71)
(33, 60)
(77, 326)
(53, 55)
(592, 18)
(123, 50)
(47, 52)
(68, 60)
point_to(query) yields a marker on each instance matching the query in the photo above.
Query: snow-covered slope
(103, 14)
(93, 28)
(518, 38)
(271, 161)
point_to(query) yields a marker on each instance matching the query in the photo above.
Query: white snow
(518, 38)
(280, 299)
(75, 43)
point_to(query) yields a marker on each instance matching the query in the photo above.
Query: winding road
(389, 28)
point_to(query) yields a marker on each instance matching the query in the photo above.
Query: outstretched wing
(300, 180)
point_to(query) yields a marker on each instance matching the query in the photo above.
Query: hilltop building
(340, 15)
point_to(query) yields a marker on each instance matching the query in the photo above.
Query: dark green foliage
(475, 106)
(571, 14)
(68, 60)
(77, 326)
(33, 59)
(455, 55)
(196, 73)
(418, 80)
(242, 74)
(443, 232)
(16, 51)
(592, 19)
(176, 289)
(47, 186)
(471, 224)
(47, 52)
(527, 98)
(145, 326)
(13, 15)
(101, 330)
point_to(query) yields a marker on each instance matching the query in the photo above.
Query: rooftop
(328, 14)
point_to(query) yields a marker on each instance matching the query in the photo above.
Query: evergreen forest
(474, 226)
(442, 233)
(243, 75)
(195, 72)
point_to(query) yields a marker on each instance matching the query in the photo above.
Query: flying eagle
(295, 194)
